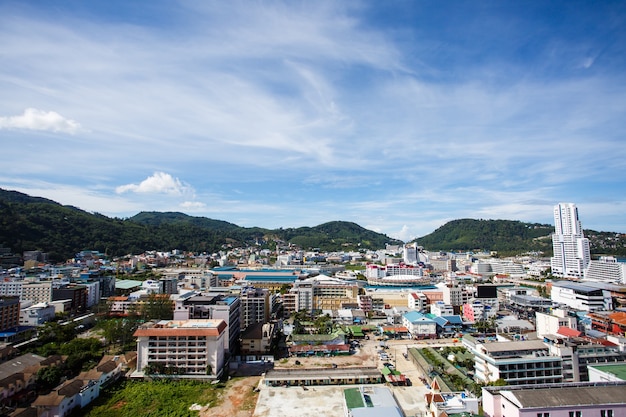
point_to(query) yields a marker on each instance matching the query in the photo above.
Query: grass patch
(154, 398)
(353, 397)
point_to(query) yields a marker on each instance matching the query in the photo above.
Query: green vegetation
(353, 397)
(451, 375)
(32, 223)
(503, 236)
(509, 237)
(155, 398)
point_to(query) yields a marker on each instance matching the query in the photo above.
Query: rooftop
(18, 364)
(514, 346)
(618, 369)
(566, 395)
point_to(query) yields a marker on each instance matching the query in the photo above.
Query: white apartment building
(417, 301)
(571, 249)
(509, 268)
(606, 269)
(151, 286)
(37, 292)
(481, 268)
(410, 255)
(420, 326)
(324, 293)
(191, 348)
(381, 271)
(580, 296)
(11, 288)
(93, 292)
(440, 308)
(577, 353)
(549, 324)
(536, 269)
(454, 294)
(518, 363)
(37, 314)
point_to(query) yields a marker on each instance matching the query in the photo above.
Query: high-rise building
(571, 248)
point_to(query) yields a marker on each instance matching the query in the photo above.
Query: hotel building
(571, 248)
(184, 349)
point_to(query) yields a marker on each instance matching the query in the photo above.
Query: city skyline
(397, 116)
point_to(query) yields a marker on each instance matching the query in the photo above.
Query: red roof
(618, 317)
(320, 348)
(400, 329)
(568, 332)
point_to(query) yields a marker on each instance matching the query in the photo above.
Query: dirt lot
(365, 356)
(238, 400)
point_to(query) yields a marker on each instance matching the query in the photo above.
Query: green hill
(33, 223)
(511, 237)
(491, 235)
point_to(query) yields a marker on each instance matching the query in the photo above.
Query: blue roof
(575, 286)
(277, 278)
(229, 300)
(414, 316)
(448, 320)
(441, 321)
(224, 268)
(15, 330)
(454, 319)
(224, 276)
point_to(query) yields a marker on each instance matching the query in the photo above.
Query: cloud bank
(158, 183)
(35, 119)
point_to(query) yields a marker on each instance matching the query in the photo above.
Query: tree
(157, 307)
(118, 331)
(49, 377)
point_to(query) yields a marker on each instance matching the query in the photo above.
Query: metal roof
(567, 396)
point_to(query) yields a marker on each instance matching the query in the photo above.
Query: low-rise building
(558, 400)
(549, 323)
(517, 363)
(419, 326)
(258, 339)
(440, 308)
(580, 296)
(37, 314)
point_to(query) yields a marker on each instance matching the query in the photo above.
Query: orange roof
(395, 328)
(568, 332)
(178, 332)
(618, 317)
(185, 331)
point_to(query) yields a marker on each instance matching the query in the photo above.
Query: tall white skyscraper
(571, 248)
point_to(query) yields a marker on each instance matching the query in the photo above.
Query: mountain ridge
(37, 223)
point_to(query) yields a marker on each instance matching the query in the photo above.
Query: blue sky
(396, 115)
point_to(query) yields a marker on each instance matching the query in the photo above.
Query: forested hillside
(511, 237)
(33, 223)
(492, 235)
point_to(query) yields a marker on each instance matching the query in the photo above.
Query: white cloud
(158, 183)
(192, 205)
(35, 119)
